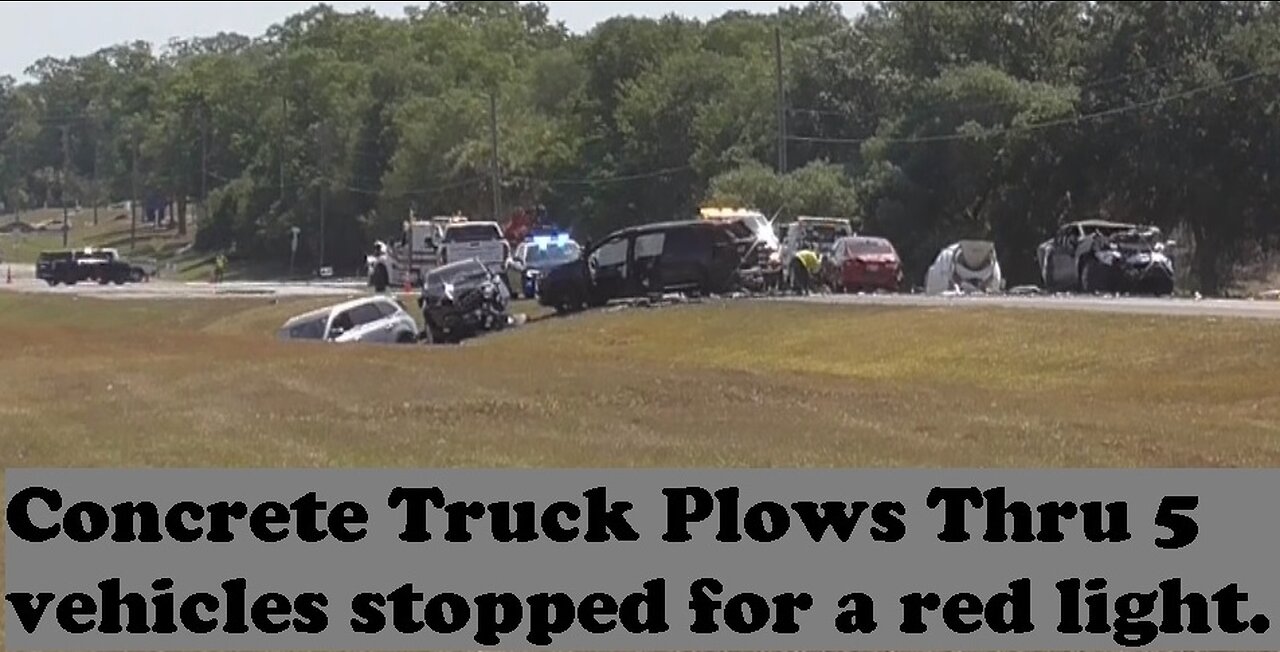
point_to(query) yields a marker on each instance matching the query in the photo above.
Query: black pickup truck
(71, 267)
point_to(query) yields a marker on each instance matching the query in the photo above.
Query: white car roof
(340, 307)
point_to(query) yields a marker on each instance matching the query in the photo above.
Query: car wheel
(432, 335)
(405, 337)
(51, 282)
(1094, 278)
(1162, 287)
(119, 281)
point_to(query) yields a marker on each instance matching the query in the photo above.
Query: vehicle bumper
(884, 279)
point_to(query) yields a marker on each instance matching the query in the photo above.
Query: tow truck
(815, 233)
(409, 258)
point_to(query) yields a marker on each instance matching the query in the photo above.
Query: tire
(1095, 278)
(119, 281)
(431, 335)
(405, 338)
(51, 282)
(137, 276)
(381, 279)
(1162, 287)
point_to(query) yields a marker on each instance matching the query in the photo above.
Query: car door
(652, 269)
(686, 258)
(371, 325)
(1062, 259)
(608, 267)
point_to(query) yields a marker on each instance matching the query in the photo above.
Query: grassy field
(97, 383)
(113, 230)
(86, 383)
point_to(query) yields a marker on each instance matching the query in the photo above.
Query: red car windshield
(868, 247)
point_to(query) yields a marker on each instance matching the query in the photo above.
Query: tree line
(927, 122)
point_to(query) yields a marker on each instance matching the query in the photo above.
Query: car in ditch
(1097, 256)
(377, 320)
(463, 299)
(537, 255)
(863, 264)
(696, 256)
(965, 267)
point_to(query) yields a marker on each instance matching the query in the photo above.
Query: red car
(864, 264)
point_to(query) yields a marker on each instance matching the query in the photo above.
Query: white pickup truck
(480, 240)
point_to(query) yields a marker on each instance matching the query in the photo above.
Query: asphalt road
(21, 278)
(23, 281)
(1121, 305)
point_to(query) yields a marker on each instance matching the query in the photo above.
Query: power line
(606, 180)
(1137, 106)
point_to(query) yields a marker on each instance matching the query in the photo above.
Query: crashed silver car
(377, 320)
(966, 267)
(1096, 256)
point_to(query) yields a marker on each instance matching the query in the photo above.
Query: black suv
(699, 255)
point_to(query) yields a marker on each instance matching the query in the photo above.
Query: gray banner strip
(641, 559)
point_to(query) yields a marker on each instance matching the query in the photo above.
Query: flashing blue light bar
(544, 241)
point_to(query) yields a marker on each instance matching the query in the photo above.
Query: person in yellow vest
(804, 270)
(219, 268)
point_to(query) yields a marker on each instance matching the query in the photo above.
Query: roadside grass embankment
(85, 382)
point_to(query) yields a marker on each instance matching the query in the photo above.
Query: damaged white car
(376, 320)
(966, 267)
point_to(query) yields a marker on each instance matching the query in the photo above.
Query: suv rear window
(472, 233)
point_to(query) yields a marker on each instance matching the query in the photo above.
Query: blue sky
(31, 30)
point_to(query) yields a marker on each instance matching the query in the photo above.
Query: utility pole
(133, 186)
(62, 187)
(204, 160)
(782, 101)
(495, 176)
(94, 183)
(324, 180)
(284, 114)
(17, 202)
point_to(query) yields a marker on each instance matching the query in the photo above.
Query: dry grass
(198, 384)
(91, 383)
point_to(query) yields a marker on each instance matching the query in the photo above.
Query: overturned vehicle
(463, 299)
(966, 267)
(1107, 257)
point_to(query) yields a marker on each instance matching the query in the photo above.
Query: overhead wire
(1076, 119)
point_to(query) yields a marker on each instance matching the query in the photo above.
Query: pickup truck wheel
(103, 281)
(119, 281)
(51, 282)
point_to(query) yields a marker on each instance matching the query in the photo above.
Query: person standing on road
(219, 268)
(804, 270)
